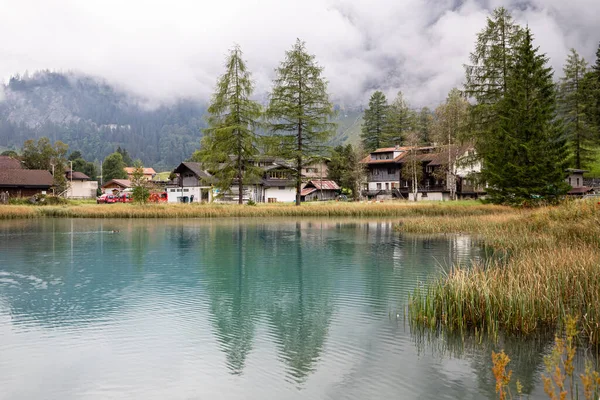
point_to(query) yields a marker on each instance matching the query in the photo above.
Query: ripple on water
(229, 309)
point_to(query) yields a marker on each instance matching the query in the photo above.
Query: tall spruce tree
(487, 73)
(374, 125)
(299, 110)
(230, 142)
(574, 108)
(400, 120)
(530, 157)
(593, 86)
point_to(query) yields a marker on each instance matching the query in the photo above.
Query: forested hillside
(95, 118)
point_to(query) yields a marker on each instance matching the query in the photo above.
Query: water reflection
(247, 309)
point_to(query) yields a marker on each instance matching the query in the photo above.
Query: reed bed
(331, 209)
(552, 270)
(18, 212)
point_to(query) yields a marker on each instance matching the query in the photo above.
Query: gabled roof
(307, 191)
(194, 167)
(7, 162)
(27, 178)
(77, 176)
(124, 183)
(147, 171)
(322, 184)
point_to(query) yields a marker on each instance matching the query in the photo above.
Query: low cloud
(164, 51)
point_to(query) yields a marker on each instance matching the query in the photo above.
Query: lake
(234, 309)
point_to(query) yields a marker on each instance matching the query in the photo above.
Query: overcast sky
(164, 50)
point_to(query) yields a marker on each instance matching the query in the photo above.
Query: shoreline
(325, 209)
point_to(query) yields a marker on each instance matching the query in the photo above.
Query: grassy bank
(331, 209)
(552, 269)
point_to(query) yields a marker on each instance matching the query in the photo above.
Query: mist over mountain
(95, 118)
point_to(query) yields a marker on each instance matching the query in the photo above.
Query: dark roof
(7, 162)
(125, 183)
(195, 167)
(278, 182)
(78, 176)
(323, 184)
(580, 190)
(307, 191)
(577, 171)
(32, 178)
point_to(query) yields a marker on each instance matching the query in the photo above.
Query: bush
(251, 202)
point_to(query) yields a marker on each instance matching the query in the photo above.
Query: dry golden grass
(552, 270)
(330, 209)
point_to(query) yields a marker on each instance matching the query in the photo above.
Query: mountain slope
(95, 118)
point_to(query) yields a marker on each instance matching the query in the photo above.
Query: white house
(80, 186)
(191, 185)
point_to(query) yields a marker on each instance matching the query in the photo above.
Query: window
(379, 186)
(387, 186)
(281, 187)
(429, 169)
(313, 170)
(375, 171)
(570, 181)
(172, 190)
(391, 171)
(394, 185)
(186, 190)
(277, 175)
(577, 181)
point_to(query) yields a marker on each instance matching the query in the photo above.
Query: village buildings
(442, 173)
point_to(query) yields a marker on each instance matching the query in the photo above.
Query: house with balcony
(191, 184)
(436, 180)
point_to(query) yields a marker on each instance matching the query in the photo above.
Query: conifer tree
(424, 125)
(113, 167)
(374, 125)
(230, 143)
(573, 108)
(531, 151)
(299, 110)
(400, 120)
(593, 90)
(486, 76)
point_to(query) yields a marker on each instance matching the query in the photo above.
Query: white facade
(175, 194)
(82, 189)
(281, 194)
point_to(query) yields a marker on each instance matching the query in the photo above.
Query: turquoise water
(233, 309)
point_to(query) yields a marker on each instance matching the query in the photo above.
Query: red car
(106, 198)
(125, 197)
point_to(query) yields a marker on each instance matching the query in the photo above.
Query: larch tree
(299, 110)
(487, 74)
(449, 130)
(573, 109)
(424, 125)
(230, 142)
(374, 121)
(529, 163)
(400, 120)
